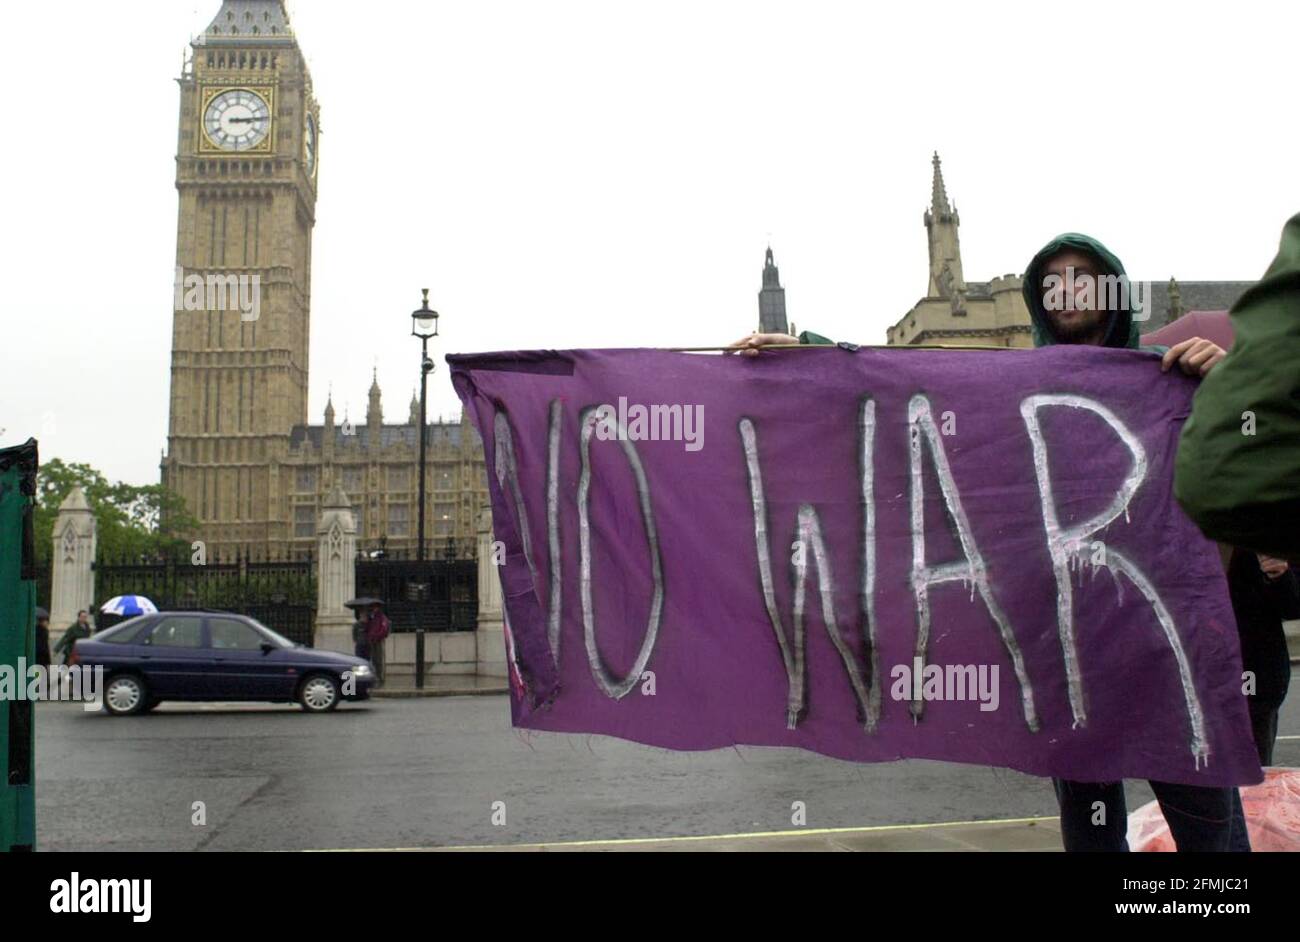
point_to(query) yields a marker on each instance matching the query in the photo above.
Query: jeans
(1199, 818)
(1263, 723)
(377, 659)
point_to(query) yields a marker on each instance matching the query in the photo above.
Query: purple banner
(873, 554)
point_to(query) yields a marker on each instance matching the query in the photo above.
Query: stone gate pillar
(490, 633)
(336, 572)
(73, 576)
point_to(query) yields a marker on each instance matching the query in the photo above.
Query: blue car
(195, 656)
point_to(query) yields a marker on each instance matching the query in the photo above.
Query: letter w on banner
(877, 554)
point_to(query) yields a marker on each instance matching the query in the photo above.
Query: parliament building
(957, 312)
(241, 451)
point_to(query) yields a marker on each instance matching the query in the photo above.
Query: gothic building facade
(957, 312)
(240, 450)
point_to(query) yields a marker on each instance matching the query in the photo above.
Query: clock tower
(246, 173)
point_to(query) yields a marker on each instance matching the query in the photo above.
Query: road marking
(803, 832)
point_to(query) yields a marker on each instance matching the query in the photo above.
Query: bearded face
(1073, 298)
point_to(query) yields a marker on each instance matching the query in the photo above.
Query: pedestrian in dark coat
(42, 637)
(360, 634)
(1265, 592)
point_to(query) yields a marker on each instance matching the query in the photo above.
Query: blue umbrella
(128, 606)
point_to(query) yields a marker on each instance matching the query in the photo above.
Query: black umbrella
(41, 613)
(364, 602)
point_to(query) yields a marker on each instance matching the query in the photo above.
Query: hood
(323, 658)
(1122, 331)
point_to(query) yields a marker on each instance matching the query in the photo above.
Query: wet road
(430, 772)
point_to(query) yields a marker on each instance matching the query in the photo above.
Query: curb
(413, 694)
(1039, 834)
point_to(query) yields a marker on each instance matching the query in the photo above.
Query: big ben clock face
(309, 146)
(238, 119)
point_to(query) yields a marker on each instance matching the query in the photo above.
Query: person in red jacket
(377, 629)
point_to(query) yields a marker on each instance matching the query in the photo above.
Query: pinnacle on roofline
(939, 195)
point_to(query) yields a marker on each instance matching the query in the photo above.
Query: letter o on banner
(616, 687)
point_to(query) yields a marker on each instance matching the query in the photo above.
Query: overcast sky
(566, 174)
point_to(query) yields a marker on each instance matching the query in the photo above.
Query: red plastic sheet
(1272, 816)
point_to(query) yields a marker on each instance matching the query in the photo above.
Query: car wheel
(319, 693)
(125, 694)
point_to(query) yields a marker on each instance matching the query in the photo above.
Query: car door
(173, 659)
(242, 666)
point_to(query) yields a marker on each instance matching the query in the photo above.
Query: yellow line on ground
(803, 832)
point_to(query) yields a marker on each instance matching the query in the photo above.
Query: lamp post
(424, 324)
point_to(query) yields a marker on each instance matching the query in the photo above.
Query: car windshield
(273, 636)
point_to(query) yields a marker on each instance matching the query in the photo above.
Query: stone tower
(941, 222)
(771, 300)
(953, 310)
(246, 167)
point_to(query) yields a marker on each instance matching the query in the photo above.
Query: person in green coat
(1237, 472)
(78, 630)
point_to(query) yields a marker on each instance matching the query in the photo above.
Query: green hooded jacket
(1237, 472)
(1121, 332)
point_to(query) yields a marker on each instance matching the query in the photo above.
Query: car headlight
(361, 670)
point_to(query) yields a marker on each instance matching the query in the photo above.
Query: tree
(132, 521)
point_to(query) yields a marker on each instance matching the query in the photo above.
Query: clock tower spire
(246, 167)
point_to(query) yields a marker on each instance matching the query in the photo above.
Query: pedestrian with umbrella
(361, 609)
(122, 607)
(377, 632)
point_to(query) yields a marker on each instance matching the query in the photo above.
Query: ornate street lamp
(424, 324)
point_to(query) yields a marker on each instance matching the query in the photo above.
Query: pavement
(1016, 835)
(402, 686)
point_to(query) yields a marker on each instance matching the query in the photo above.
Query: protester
(78, 630)
(377, 631)
(360, 630)
(1235, 472)
(1199, 818)
(1065, 277)
(42, 637)
(1264, 593)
